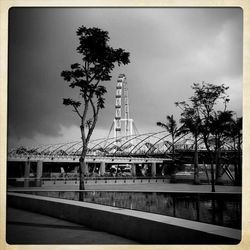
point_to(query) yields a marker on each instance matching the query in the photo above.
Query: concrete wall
(139, 226)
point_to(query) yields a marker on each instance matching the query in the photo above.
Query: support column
(133, 169)
(39, 173)
(153, 169)
(102, 168)
(86, 169)
(26, 173)
(144, 169)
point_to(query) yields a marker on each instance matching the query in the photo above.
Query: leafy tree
(206, 97)
(191, 124)
(235, 133)
(220, 127)
(172, 129)
(89, 76)
(201, 119)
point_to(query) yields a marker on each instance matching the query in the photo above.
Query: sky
(170, 49)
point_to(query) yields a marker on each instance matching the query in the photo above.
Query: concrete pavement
(24, 227)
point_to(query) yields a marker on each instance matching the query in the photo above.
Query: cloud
(170, 49)
(67, 135)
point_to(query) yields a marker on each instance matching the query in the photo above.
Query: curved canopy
(155, 143)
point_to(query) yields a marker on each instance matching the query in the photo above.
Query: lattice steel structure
(144, 145)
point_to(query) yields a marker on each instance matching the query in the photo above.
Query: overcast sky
(170, 48)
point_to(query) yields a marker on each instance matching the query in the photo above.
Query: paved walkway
(31, 228)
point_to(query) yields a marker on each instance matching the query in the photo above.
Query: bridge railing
(59, 179)
(54, 181)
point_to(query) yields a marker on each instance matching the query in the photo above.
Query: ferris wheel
(123, 125)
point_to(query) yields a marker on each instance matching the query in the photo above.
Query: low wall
(55, 182)
(52, 183)
(139, 226)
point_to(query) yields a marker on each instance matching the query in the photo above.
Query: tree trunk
(210, 154)
(236, 172)
(219, 170)
(82, 179)
(212, 175)
(173, 156)
(239, 179)
(173, 149)
(204, 165)
(82, 162)
(196, 163)
(238, 162)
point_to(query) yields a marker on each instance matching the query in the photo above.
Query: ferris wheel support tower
(122, 126)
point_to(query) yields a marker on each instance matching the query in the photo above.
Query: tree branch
(85, 111)
(92, 126)
(77, 111)
(93, 107)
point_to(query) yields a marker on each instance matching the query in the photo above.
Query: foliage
(174, 131)
(220, 125)
(191, 123)
(201, 118)
(235, 133)
(170, 126)
(98, 61)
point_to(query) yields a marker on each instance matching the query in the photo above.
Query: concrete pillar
(39, 173)
(102, 168)
(144, 169)
(153, 169)
(26, 173)
(86, 169)
(133, 168)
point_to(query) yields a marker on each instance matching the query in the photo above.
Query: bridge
(149, 151)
